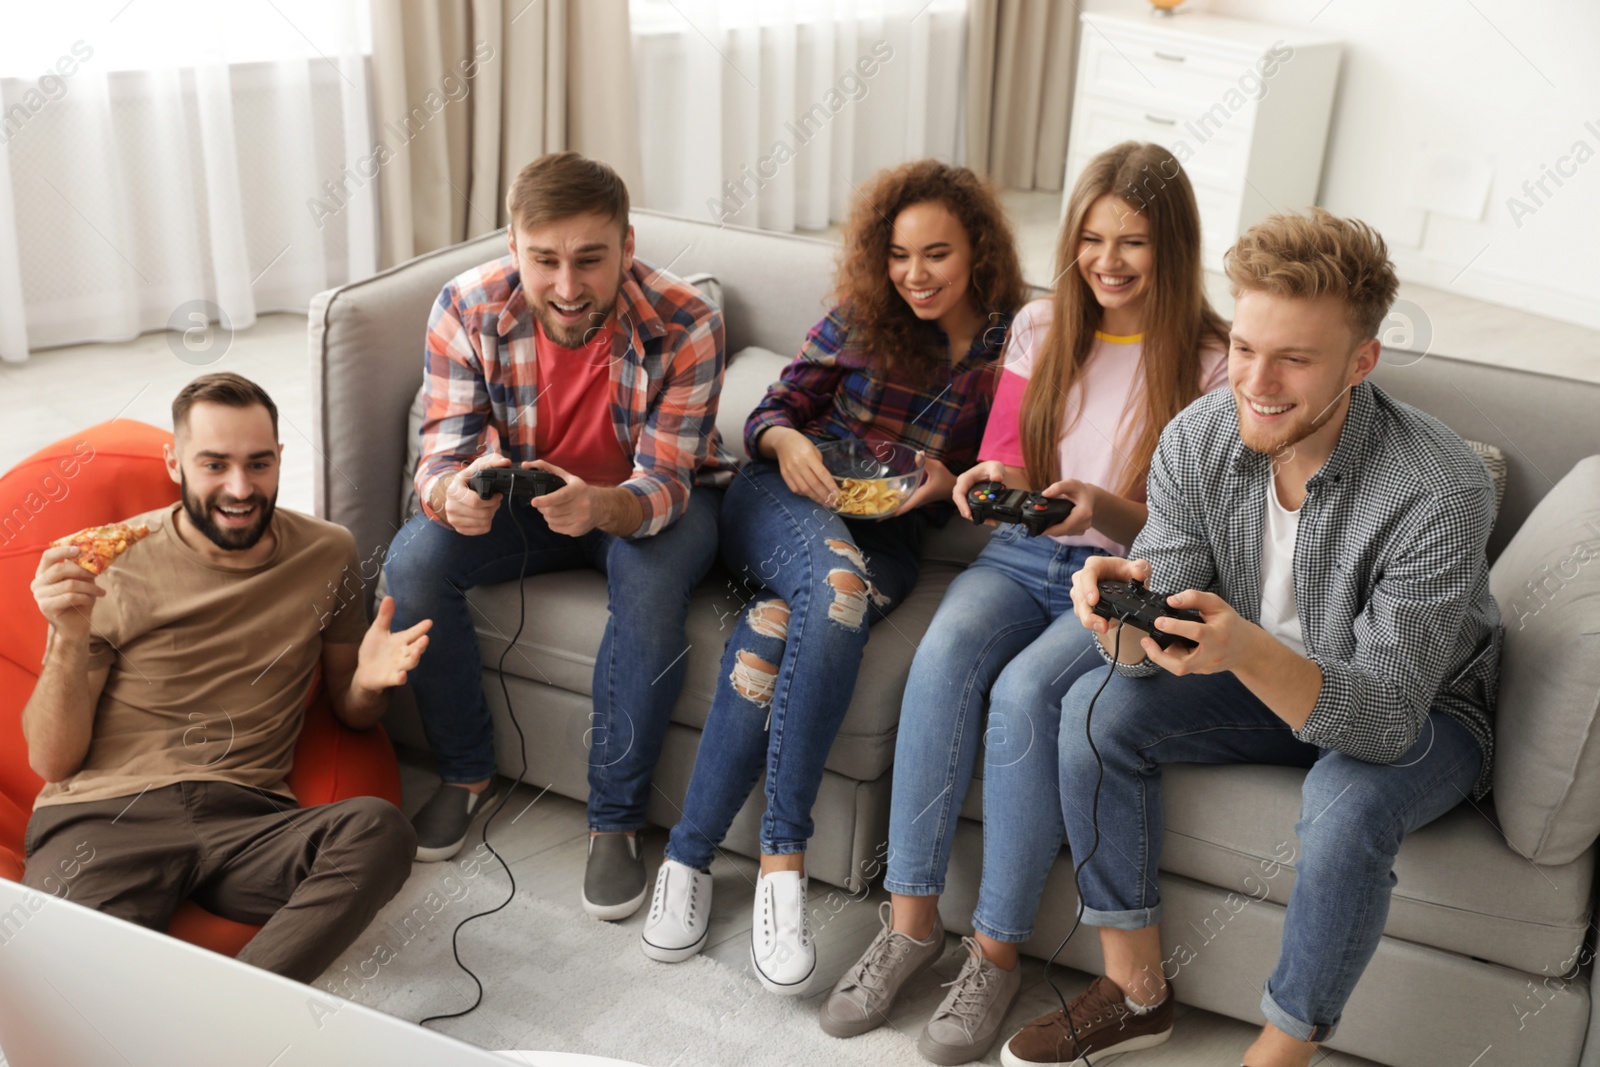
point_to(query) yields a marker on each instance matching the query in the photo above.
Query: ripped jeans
(813, 584)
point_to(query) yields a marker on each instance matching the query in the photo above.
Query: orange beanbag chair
(107, 473)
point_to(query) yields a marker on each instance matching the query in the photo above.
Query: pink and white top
(1104, 413)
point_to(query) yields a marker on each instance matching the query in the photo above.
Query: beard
(229, 540)
(579, 334)
(1285, 437)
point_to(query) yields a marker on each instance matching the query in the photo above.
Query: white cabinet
(1244, 106)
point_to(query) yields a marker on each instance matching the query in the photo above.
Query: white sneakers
(680, 914)
(780, 934)
(780, 929)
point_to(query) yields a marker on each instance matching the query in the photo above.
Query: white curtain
(166, 155)
(771, 115)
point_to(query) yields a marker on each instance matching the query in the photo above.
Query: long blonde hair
(1178, 319)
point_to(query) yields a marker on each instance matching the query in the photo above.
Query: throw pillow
(1494, 461)
(1547, 747)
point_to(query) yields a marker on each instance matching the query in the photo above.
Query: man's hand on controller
(977, 474)
(570, 510)
(1083, 497)
(1223, 642)
(1086, 587)
(1086, 594)
(465, 511)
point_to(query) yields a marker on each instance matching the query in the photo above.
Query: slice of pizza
(99, 546)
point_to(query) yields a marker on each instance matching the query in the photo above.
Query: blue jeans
(1353, 816)
(1004, 634)
(814, 584)
(640, 666)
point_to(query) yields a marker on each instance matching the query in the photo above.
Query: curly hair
(899, 344)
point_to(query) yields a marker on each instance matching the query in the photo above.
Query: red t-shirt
(573, 422)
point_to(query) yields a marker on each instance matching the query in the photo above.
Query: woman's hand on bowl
(937, 484)
(801, 465)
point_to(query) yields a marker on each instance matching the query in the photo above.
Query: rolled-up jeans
(1001, 652)
(1353, 817)
(638, 671)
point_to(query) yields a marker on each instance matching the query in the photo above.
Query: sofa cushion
(708, 285)
(409, 504)
(566, 618)
(1458, 887)
(750, 372)
(1547, 758)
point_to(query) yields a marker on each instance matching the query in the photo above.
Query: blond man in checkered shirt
(1333, 541)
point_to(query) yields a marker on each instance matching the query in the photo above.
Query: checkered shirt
(833, 390)
(1391, 578)
(481, 384)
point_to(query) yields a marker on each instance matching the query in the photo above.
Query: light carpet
(557, 980)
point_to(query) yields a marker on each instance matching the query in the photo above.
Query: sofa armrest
(366, 363)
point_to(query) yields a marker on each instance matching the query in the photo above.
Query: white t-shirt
(1280, 616)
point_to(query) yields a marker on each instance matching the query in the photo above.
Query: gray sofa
(1486, 920)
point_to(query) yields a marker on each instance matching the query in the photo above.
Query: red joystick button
(1040, 507)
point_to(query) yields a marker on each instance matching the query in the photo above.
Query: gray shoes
(442, 823)
(966, 1024)
(862, 997)
(613, 879)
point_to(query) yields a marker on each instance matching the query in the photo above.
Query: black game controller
(519, 483)
(1132, 603)
(1034, 511)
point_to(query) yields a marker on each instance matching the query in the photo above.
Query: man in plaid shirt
(571, 356)
(1333, 542)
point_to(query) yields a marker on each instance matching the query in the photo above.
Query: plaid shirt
(832, 390)
(481, 384)
(1390, 575)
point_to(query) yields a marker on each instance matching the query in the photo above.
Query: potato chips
(866, 497)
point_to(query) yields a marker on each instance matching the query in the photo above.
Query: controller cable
(1094, 818)
(500, 669)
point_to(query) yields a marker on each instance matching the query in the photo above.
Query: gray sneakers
(442, 822)
(862, 997)
(966, 1024)
(613, 879)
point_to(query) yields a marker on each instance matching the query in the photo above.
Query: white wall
(1508, 86)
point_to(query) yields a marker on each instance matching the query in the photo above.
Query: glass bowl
(874, 477)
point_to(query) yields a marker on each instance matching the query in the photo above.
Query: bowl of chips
(874, 477)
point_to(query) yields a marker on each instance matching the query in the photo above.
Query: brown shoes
(1102, 1025)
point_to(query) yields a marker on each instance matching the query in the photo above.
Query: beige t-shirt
(211, 667)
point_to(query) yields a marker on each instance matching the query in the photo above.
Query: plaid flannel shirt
(1391, 579)
(481, 384)
(832, 390)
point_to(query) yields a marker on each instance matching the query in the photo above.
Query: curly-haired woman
(926, 288)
